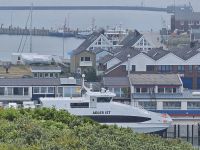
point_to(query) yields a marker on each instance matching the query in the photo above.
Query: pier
(36, 32)
(168, 9)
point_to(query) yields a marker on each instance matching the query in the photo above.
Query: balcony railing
(85, 63)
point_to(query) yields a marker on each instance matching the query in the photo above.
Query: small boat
(100, 107)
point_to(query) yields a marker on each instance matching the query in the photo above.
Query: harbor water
(140, 20)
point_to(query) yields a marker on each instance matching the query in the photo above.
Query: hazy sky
(162, 3)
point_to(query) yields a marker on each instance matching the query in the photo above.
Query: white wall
(112, 62)
(140, 61)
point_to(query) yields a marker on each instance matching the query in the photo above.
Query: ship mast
(31, 28)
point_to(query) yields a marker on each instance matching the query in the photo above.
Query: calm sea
(143, 21)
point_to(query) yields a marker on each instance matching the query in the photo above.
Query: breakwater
(36, 32)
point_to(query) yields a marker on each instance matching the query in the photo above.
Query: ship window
(104, 99)
(79, 105)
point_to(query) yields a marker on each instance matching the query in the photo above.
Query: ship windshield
(103, 99)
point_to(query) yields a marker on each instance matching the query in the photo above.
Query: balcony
(85, 63)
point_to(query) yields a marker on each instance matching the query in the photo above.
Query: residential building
(46, 71)
(185, 20)
(157, 92)
(31, 89)
(84, 56)
(120, 86)
(179, 60)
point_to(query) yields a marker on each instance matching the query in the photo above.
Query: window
(164, 68)
(87, 58)
(99, 42)
(193, 105)
(60, 90)
(137, 90)
(161, 90)
(103, 99)
(150, 68)
(10, 91)
(181, 68)
(144, 90)
(50, 90)
(76, 91)
(35, 75)
(56, 75)
(198, 22)
(43, 89)
(2, 90)
(133, 67)
(41, 75)
(51, 75)
(168, 90)
(46, 75)
(26, 91)
(148, 105)
(171, 105)
(79, 105)
(125, 92)
(17, 91)
(117, 91)
(82, 58)
(36, 90)
(174, 90)
(190, 68)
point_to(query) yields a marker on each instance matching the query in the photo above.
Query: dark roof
(45, 68)
(118, 49)
(29, 81)
(99, 50)
(86, 43)
(105, 59)
(185, 52)
(131, 38)
(155, 79)
(193, 16)
(127, 51)
(115, 81)
(156, 53)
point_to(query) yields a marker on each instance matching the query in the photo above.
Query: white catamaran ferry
(100, 107)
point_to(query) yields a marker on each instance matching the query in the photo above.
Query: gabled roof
(98, 50)
(116, 81)
(155, 79)
(131, 38)
(156, 53)
(105, 59)
(127, 51)
(185, 52)
(86, 43)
